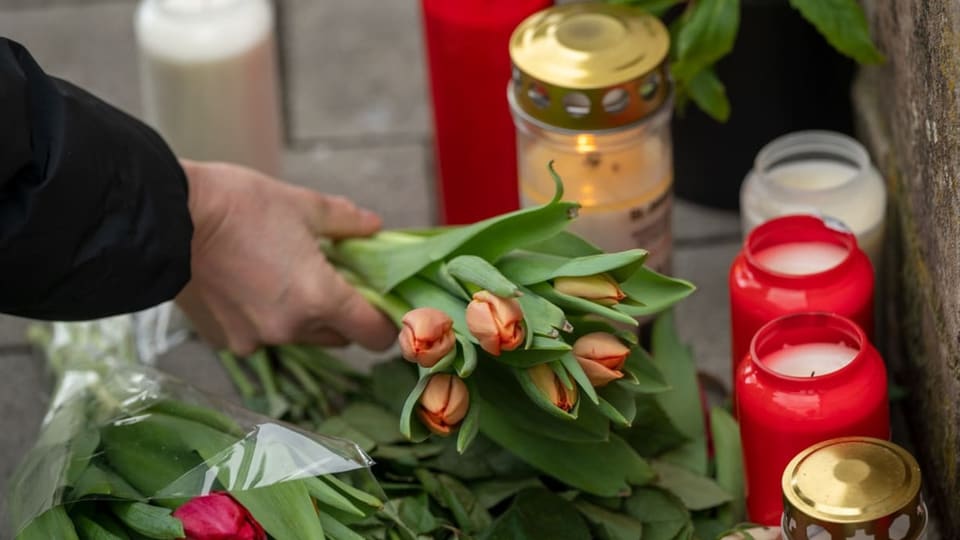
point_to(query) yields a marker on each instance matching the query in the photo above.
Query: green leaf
(538, 513)
(410, 427)
(728, 457)
(563, 244)
(284, 510)
(355, 493)
(697, 492)
(148, 520)
(706, 34)
(575, 464)
(844, 26)
(573, 368)
(540, 315)
(476, 271)
(419, 292)
(655, 291)
(415, 513)
(522, 359)
(579, 306)
(663, 515)
(338, 427)
(334, 530)
(652, 433)
(682, 404)
(497, 386)
(373, 421)
(706, 90)
(391, 383)
(97, 480)
(482, 460)
(709, 528)
(620, 400)
(467, 511)
(91, 529)
(325, 494)
(493, 492)
(470, 425)
(53, 523)
(384, 263)
(466, 361)
(528, 268)
(609, 525)
(645, 378)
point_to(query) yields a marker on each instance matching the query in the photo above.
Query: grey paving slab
(354, 69)
(91, 45)
(704, 318)
(196, 364)
(24, 393)
(13, 330)
(46, 4)
(392, 180)
(697, 224)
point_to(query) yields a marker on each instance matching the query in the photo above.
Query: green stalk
(236, 373)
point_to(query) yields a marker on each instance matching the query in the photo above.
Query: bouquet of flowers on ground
(129, 453)
(522, 361)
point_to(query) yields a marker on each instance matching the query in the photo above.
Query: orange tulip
(601, 355)
(496, 322)
(427, 336)
(550, 385)
(443, 403)
(599, 288)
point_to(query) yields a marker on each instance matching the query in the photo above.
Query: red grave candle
(809, 377)
(468, 52)
(794, 264)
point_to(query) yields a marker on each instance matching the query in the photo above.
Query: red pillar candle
(809, 377)
(794, 264)
(469, 60)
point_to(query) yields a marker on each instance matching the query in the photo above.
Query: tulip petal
(599, 374)
(427, 336)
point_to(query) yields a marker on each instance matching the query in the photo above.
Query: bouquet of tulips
(128, 453)
(548, 419)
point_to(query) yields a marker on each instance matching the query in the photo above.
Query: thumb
(337, 217)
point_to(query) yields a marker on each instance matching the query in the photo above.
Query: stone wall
(909, 116)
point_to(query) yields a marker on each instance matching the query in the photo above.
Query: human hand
(258, 274)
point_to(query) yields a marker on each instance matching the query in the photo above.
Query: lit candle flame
(586, 143)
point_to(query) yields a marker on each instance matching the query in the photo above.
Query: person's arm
(94, 219)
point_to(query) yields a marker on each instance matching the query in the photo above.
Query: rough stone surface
(13, 330)
(90, 45)
(909, 115)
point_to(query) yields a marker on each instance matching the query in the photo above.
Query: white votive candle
(810, 359)
(801, 258)
(209, 78)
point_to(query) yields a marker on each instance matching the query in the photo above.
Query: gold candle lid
(592, 66)
(853, 487)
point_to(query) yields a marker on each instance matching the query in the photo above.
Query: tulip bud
(218, 516)
(601, 355)
(427, 336)
(496, 322)
(550, 385)
(443, 403)
(599, 288)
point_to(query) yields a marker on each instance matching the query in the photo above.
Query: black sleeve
(93, 204)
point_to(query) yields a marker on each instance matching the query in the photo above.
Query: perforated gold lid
(589, 66)
(850, 484)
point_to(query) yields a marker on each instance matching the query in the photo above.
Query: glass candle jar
(817, 172)
(794, 264)
(853, 488)
(591, 93)
(209, 78)
(809, 377)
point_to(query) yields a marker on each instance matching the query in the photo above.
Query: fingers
(338, 217)
(360, 322)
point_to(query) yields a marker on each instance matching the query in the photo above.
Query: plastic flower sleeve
(120, 433)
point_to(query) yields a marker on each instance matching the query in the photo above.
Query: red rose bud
(427, 336)
(443, 403)
(496, 322)
(550, 385)
(218, 516)
(601, 356)
(599, 288)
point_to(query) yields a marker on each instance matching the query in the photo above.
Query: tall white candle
(810, 359)
(801, 258)
(209, 76)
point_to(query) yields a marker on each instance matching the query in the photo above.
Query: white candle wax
(209, 77)
(814, 174)
(801, 258)
(810, 359)
(624, 194)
